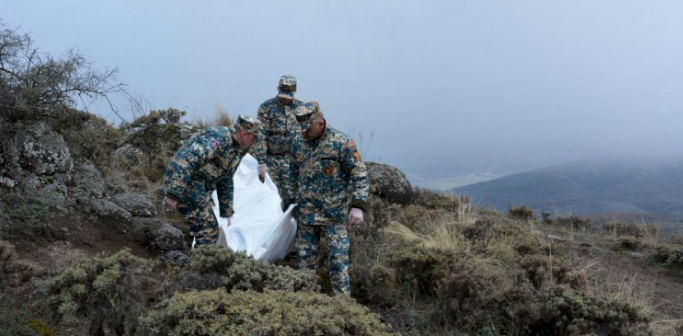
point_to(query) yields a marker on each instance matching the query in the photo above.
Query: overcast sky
(434, 87)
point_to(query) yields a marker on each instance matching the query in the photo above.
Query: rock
(109, 212)
(47, 190)
(138, 205)
(88, 183)
(389, 182)
(44, 151)
(169, 238)
(159, 236)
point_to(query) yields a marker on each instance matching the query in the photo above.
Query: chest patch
(328, 170)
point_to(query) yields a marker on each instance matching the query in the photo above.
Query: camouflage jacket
(280, 127)
(208, 159)
(323, 170)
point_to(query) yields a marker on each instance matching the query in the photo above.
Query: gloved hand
(263, 169)
(355, 216)
(170, 203)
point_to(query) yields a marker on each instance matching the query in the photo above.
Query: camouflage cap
(248, 124)
(286, 87)
(308, 112)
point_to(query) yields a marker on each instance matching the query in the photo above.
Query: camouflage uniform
(280, 128)
(325, 169)
(207, 161)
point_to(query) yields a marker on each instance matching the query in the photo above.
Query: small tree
(35, 84)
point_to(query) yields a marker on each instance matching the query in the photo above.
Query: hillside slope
(643, 186)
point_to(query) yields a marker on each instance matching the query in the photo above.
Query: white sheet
(259, 226)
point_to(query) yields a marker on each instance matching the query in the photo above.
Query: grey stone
(160, 236)
(137, 204)
(169, 238)
(88, 182)
(127, 156)
(108, 211)
(48, 190)
(43, 151)
(389, 182)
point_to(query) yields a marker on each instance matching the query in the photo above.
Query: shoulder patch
(351, 144)
(214, 144)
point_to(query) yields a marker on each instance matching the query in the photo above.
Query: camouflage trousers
(280, 171)
(200, 218)
(307, 243)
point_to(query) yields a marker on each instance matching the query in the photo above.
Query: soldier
(326, 163)
(207, 162)
(280, 125)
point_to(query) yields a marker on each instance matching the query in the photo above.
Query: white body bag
(259, 227)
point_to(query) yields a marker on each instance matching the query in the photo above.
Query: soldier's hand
(355, 216)
(263, 169)
(170, 203)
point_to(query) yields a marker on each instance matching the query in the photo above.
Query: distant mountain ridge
(633, 186)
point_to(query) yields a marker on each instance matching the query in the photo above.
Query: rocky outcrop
(389, 182)
(36, 160)
(138, 205)
(38, 175)
(158, 140)
(165, 240)
(87, 183)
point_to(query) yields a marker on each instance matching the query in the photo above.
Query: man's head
(248, 130)
(310, 117)
(286, 89)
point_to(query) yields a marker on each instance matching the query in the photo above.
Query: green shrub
(155, 117)
(40, 328)
(544, 270)
(482, 232)
(216, 266)
(31, 211)
(250, 313)
(416, 267)
(10, 324)
(488, 231)
(521, 213)
(669, 254)
(108, 292)
(462, 293)
(630, 243)
(563, 311)
(375, 285)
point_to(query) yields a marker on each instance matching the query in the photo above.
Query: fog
(436, 88)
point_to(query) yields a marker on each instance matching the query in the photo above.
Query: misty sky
(434, 87)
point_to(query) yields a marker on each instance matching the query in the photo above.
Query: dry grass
(442, 231)
(222, 118)
(632, 288)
